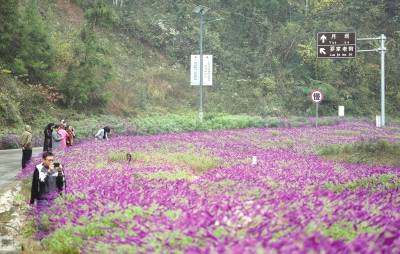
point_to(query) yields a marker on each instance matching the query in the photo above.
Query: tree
(35, 54)
(9, 24)
(85, 81)
(100, 14)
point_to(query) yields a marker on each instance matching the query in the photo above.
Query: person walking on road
(55, 137)
(26, 143)
(103, 133)
(47, 145)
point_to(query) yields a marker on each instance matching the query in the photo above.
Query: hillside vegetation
(65, 57)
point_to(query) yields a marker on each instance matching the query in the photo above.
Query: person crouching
(103, 133)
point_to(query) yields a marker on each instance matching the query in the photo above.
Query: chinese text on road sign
(336, 45)
(195, 70)
(317, 96)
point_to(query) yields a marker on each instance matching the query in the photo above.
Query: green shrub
(274, 122)
(342, 230)
(117, 156)
(173, 214)
(375, 152)
(64, 240)
(170, 175)
(198, 161)
(387, 181)
(189, 122)
(9, 111)
(327, 121)
(69, 239)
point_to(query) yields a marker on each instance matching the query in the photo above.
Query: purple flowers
(160, 201)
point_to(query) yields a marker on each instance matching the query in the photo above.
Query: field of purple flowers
(201, 192)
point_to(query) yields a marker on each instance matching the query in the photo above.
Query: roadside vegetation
(87, 125)
(374, 152)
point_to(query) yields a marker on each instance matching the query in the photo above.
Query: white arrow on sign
(323, 38)
(322, 51)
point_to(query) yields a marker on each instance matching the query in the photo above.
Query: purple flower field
(200, 192)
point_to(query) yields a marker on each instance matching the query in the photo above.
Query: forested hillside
(131, 57)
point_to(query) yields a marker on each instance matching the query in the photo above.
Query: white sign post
(341, 111)
(378, 121)
(316, 96)
(195, 70)
(254, 160)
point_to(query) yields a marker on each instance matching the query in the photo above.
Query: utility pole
(306, 8)
(381, 50)
(201, 10)
(201, 65)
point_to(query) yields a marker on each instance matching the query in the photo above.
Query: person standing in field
(64, 135)
(63, 124)
(71, 135)
(48, 181)
(47, 145)
(55, 137)
(103, 133)
(26, 143)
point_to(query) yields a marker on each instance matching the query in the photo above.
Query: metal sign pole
(306, 7)
(316, 110)
(201, 68)
(316, 97)
(381, 50)
(343, 45)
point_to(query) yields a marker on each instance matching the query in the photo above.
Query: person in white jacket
(103, 133)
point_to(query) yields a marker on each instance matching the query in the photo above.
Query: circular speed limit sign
(316, 96)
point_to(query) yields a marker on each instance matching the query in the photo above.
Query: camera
(56, 164)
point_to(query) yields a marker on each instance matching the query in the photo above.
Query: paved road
(10, 165)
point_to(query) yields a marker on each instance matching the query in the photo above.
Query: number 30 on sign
(316, 96)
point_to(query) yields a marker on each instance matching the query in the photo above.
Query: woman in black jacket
(48, 143)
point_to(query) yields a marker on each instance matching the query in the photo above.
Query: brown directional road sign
(336, 45)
